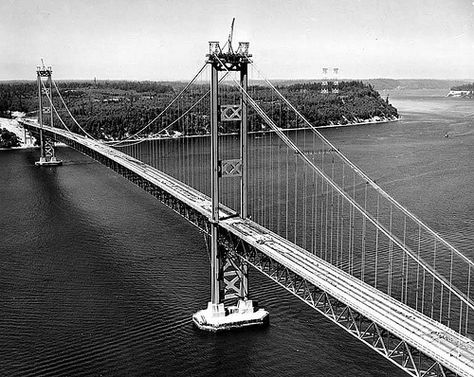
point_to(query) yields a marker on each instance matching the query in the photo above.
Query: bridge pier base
(52, 162)
(48, 157)
(216, 317)
(229, 308)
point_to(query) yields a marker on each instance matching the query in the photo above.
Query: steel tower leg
(215, 262)
(40, 117)
(244, 179)
(50, 85)
(244, 145)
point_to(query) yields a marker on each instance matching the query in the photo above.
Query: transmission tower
(324, 83)
(335, 81)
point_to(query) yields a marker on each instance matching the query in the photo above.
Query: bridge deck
(430, 337)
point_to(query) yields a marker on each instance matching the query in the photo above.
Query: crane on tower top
(241, 52)
(231, 34)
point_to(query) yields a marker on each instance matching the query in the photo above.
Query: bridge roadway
(432, 338)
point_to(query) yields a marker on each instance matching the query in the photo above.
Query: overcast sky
(167, 40)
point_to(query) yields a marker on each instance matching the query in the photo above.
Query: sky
(168, 40)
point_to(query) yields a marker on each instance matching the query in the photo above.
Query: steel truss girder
(396, 350)
(188, 213)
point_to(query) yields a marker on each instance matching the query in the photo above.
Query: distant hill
(381, 84)
(393, 84)
(464, 87)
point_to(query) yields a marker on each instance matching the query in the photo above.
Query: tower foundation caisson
(216, 317)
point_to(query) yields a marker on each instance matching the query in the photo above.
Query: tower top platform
(230, 60)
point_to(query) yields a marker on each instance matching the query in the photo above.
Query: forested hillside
(464, 87)
(114, 109)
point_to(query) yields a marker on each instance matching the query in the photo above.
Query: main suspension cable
(192, 107)
(54, 107)
(172, 123)
(166, 108)
(67, 109)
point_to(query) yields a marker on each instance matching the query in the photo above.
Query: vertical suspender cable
(295, 193)
(287, 193)
(466, 327)
(377, 244)
(433, 281)
(405, 272)
(364, 230)
(418, 271)
(305, 184)
(331, 245)
(450, 285)
(390, 255)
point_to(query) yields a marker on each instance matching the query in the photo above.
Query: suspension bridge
(269, 191)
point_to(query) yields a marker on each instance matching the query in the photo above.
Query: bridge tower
(48, 156)
(229, 274)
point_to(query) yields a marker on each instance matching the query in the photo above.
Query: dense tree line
(115, 109)
(17, 96)
(22, 95)
(464, 87)
(355, 102)
(8, 139)
(137, 86)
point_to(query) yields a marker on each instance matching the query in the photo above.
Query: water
(98, 279)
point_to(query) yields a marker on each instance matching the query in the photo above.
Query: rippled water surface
(98, 279)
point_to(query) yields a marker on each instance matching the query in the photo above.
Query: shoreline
(12, 126)
(384, 120)
(381, 121)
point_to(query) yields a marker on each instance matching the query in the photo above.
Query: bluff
(114, 109)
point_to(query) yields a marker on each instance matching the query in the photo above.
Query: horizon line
(257, 79)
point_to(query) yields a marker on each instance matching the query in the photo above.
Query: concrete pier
(53, 161)
(217, 318)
